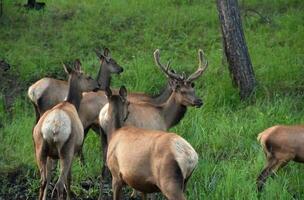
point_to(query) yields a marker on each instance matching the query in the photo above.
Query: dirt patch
(22, 182)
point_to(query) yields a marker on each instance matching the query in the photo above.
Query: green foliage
(223, 131)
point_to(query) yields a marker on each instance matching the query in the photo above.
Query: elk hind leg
(272, 165)
(41, 158)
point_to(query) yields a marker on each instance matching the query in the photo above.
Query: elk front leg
(116, 186)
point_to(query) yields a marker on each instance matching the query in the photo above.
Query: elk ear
(106, 52)
(123, 93)
(67, 68)
(108, 92)
(77, 65)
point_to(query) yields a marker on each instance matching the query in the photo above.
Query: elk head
(108, 64)
(181, 85)
(84, 82)
(117, 109)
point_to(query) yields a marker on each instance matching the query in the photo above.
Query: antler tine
(165, 69)
(201, 67)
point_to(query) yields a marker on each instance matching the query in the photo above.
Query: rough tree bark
(235, 47)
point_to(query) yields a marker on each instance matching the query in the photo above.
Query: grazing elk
(147, 160)
(281, 144)
(59, 133)
(48, 92)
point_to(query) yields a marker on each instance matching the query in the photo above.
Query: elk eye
(192, 84)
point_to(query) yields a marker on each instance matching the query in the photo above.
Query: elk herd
(137, 148)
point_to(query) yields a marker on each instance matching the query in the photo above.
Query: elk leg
(116, 186)
(49, 167)
(80, 153)
(143, 196)
(273, 164)
(41, 161)
(105, 170)
(66, 158)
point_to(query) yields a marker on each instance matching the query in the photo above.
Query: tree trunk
(31, 3)
(236, 51)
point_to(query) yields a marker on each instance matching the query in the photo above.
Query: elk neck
(114, 122)
(172, 111)
(104, 77)
(163, 96)
(75, 94)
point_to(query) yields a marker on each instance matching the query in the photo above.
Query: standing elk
(147, 160)
(280, 144)
(59, 133)
(48, 92)
(168, 114)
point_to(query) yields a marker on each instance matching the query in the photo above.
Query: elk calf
(147, 160)
(59, 133)
(280, 145)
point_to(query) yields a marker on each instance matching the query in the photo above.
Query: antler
(165, 69)
(201, 67)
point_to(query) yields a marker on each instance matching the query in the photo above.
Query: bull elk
(147, 160)
(168, 114)
(59, 133)
(280, 144)
(48, 92)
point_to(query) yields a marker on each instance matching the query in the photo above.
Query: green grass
(223, 131)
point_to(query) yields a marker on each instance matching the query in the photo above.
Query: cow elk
(147, 160)
(280, 144)
(59, 133)
(48, 92)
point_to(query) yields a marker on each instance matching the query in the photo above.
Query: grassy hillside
(223, 131)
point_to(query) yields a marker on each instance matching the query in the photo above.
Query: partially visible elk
(281, 144)
(59, 133)
(147, 160)
(48, 92)
(169, 113)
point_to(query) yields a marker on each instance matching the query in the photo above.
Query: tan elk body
(147, 160)
(59, 134)
(48, 92)
(281, 144)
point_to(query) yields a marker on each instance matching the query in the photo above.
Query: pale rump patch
(37, 89)
(185, 155)
(103, 116)
(56, 127)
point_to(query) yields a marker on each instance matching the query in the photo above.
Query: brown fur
(280, 144)
(147, 160)
(61, 139)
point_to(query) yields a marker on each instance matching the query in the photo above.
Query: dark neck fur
(173, 111)
(114, 124)
(104, 77)
(163, 96)
(74, 94)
